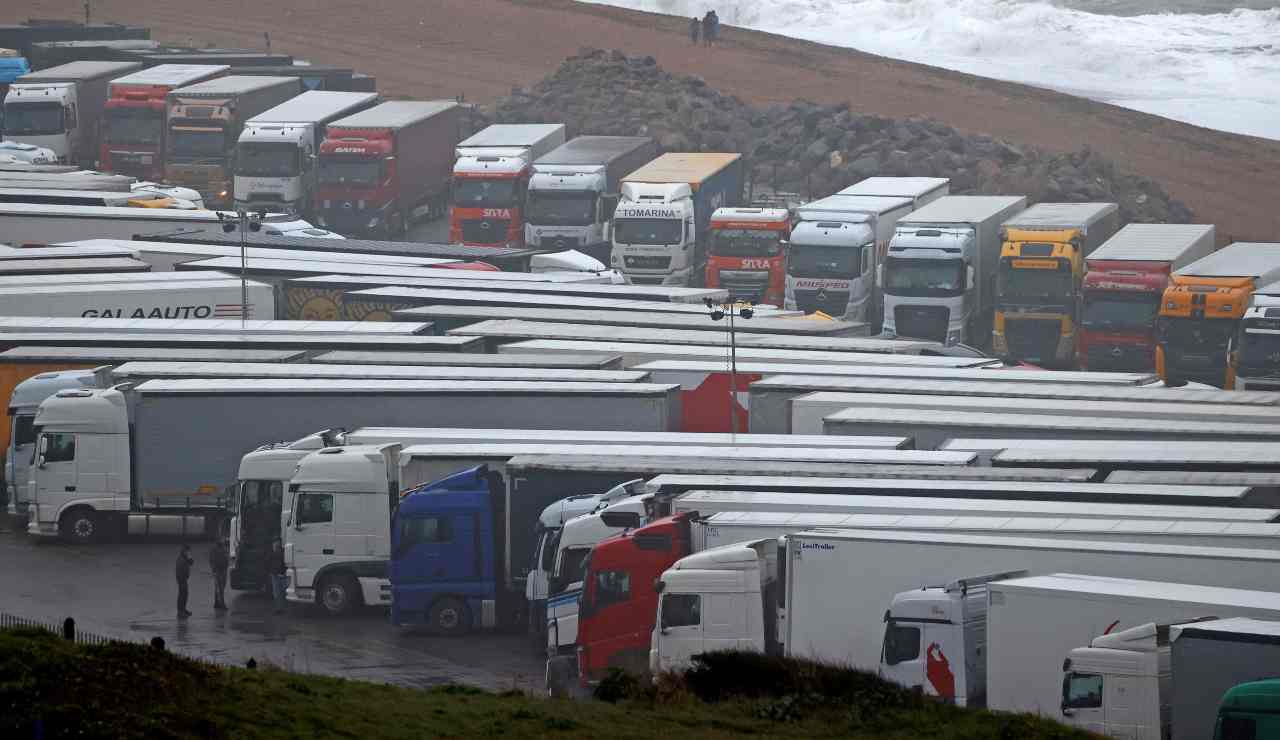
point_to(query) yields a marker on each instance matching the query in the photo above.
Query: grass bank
(51, 688)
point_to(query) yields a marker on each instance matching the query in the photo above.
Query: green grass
(58, 689)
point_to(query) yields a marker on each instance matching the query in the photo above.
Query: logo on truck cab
(496, 213)
(647, 213)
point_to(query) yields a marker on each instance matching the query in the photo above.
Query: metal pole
(733, 373)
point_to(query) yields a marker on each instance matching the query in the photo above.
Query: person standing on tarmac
(695, 29)
(182, 571)
(218, 563)
(279, 579)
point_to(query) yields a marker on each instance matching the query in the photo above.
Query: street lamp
(731, 309)
(246, 222)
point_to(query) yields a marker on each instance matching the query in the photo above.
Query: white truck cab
(931, 271)
(831, 266)
(271, 162)
(23, 404)
(655, 237)
(567, 206)
(1120, 684)
(43, 114)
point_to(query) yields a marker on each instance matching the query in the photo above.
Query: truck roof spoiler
(964, 584)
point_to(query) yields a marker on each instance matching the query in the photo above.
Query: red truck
(618, 607)
(746, 253)
(1123, 285)
(490, 176)
(133, 130)
(385, 167)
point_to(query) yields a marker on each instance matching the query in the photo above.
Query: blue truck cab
(12, 66)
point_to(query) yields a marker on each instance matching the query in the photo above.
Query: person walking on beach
(182, 571)
(695, 28)
(710, 27)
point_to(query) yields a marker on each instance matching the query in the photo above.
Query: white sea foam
(1219, 70)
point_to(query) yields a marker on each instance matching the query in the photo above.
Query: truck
(59, 108)
(938, 278)
(1249, 711)
(219, 297)
(746, 253)
(1201, 311)
(204, 122)
(386, 167)
(1157, 681)
(1253, 348)
(833, 254)
(1123, 289)
(491, 175)
(921, 190)
(1039, 276)
(277, 151)
(660, 229)
(41, 223)
(133, 117)
(574, 190)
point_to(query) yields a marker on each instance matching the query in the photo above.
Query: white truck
(921, 190)
(276, 155)
(662, 223)
(574, 190)
(218, 297)
(1154, 681)
(834, 251)
(59, 108)
(938, 277)
(26, 398)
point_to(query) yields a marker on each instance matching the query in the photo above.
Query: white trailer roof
(843, 455)
(149, 286)
(172, 75)
(702, 439)
(159, 370)
(713, 356)
(24, 269)
(40, 253)
(79, 70)
(1188, 477)
(1152, 242)
(108, 335)
(144, 216)
(223, 250)
(514, 299)
(309, 268)
(1144, 453)
(1227, 628)
(328, 386)
(850, 204)
(1058, 407)
(312, 106)
(1129, 588)
(515, 329)
(23, 324)
(933, 467)
(353, 357)
(960, 209)
(851, 368)
(513, 449)
(1002, 376)
(1060, 215)
(638, 319)
(911, 187)
(1156, 428)
(144, 354)
(787, 501)
(995, 387)
(232, 84)
(518, 281)
(511, 134)
(394, 114)
(1257, 260)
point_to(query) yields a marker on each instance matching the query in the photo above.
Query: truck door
(680, 630)
(1082, 697)
(312, 538)
(56, 463)
(436, 549)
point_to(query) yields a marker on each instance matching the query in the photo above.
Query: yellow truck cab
(1202, 308)
(1039, 276)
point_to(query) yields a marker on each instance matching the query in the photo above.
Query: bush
(617, 685)
(720, 676)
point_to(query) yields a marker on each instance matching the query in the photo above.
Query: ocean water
(1213, 63)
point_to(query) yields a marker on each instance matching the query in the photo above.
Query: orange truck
(747, 255)
(490, 178)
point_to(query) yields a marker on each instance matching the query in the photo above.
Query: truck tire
(80, 525)
(450, 617)
(339, 595)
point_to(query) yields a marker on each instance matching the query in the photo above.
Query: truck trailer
(134, 134)
(36, 223)
(1123, 289)
(205, 121)
(921, 190)
(491, 173)
(384, 168)
(1039, 276)
(59, 108)
(660, 229)
(216, 298)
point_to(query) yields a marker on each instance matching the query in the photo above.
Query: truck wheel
(450, 617)
(80, 526)
(339, 595)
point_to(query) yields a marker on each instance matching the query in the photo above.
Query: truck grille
(1035, 340)
(922, 322)
(646, 262)
(560, 242)
(1120, 358)
(485, 231)
(831, 302)
(745, 286)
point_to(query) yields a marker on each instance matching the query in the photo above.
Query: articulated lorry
(1039, 276)
(747, 253)
(574, 190)
(938, 278)
(1253, 353)
(1201, 311)
(661, 225)
(205, 121)
(218, 297)
(384, 168)
(491, 174)
(59, 108)
(133, 117)
(276, 155)
(1123, 288)
(1157, 681)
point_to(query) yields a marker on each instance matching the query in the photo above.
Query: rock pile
(814, 149)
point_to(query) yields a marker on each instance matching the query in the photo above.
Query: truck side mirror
(970, 278)
(42, 447)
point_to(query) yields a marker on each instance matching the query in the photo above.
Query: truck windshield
(197, 142)
(814, 261)
(1033, 285)
(469, 192)
(906, 276)
(32, 119)
(746, 243)
(561, 208)
(258, 159)
(1258, 349)
(350, 171)
(133, 126)
(571, 568)
(648, 231)
(1120, 310)
(1205, 337)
